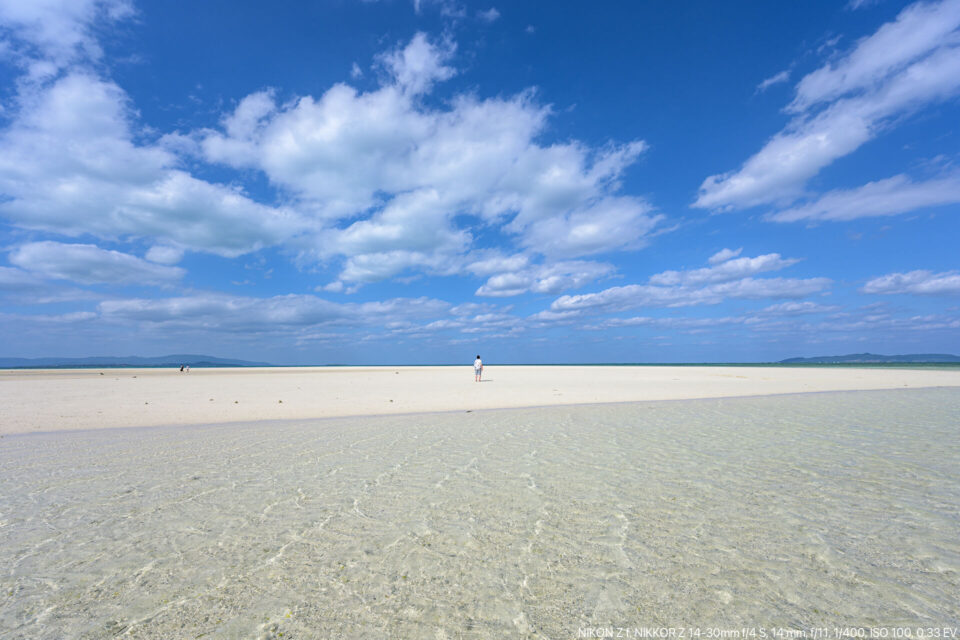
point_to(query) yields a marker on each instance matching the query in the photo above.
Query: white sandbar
(52, 400)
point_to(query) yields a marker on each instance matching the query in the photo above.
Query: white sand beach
(54, 400)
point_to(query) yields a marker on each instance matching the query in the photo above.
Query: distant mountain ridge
(175, 360)
(875, 358)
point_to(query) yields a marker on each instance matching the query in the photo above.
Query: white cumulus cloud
(724, 254)
(919, 29)
(633, 296)
(377, 182)
(919, 282)
(164, 255)
(396, 186)
(904, 66)
(44, 36)
(888, 197)
(417, 66)
(549, 278)
(69, 165)
(724, 271)
(88, 264)
(731, 279)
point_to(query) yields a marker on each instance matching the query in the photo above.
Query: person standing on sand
(477, 369)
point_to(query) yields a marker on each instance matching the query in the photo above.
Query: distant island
(175, 360)
(874, 358)
(204, 361)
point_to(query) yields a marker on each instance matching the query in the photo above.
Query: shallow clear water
(794, 511)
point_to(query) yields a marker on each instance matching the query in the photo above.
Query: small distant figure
(187, 368)
(477, 369)
(181, 368)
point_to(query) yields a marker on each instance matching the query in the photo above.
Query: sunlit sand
(92, 399)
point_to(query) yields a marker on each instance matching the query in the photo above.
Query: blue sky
(415, 182)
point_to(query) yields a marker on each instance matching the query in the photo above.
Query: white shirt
(477, 365)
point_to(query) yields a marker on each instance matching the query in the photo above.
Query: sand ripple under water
(794, 511)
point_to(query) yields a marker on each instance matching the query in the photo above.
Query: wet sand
(56, 400)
